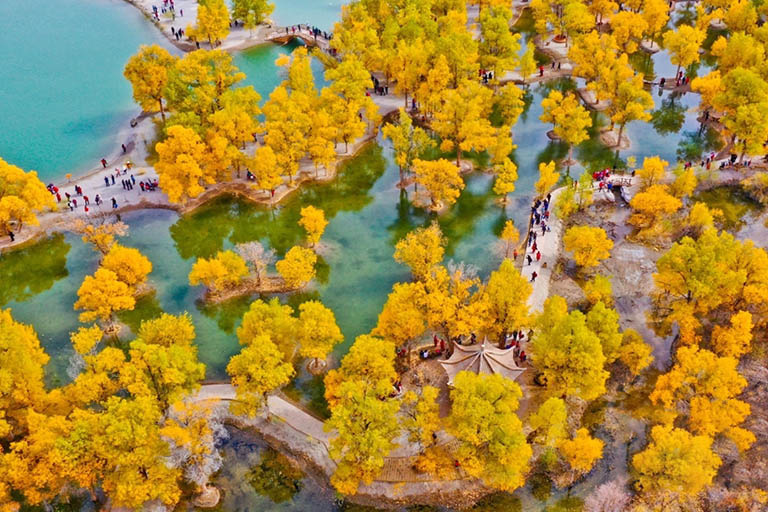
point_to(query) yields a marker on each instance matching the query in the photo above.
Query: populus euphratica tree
(22, 194)
(148, 71)
(589, 245)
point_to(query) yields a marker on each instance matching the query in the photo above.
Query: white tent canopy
(481, 358)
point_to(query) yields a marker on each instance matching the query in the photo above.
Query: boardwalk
(398, 467)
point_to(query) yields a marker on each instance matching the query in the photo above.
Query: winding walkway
(281, 413)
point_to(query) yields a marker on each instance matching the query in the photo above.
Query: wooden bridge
(285, 35)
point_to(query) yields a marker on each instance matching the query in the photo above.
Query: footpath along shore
(137, 141)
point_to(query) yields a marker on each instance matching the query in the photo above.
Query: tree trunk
(162, 109)
(621, 131)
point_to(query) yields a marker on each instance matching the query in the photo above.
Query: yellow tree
(314, 223)
(421, 250)
(499, 47)
(653, 171)
(548, 178)
(365, 435)
(492, 444)
(735, 340)
(272, 319)
(258, 369)
(164, 368)
(628, 28)
(462, 121)
(506, 177)
(656, 15)
(362, 412)
(582, 452)
(148, 71)
(630, 102)
(101, 236)
(510, 235)
(683, 45)
(441, 178)
(590, 52)
(212, 21)
(22, 360)
(21, 195)
(252, 12)
(550, 422)
(287, 123)
(651, 205)
(507, 295)
(179, 164)
(409, 142)
(701, 389)
(635, 353)
(675, 461)
(588, 244)
(265, 168)
(102, 295)
(408, 63)
(298, 267)
(225, 270)
(130, 266)
(421, 416)
(528, 61)
(569, 118)
(322, 140)
(567, 352)
(125, 440)
(599, 289)
(402, 319)
(318, 332)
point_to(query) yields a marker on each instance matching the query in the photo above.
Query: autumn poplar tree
(148, 71)
(180, 164)
(588, 244)
(408, 141)
(212, 21)
(421, 250)
(567, 352)
(548, 178)
(225, 270)
(102, 295)
(298, 267)
(569, 118)
(441, 178)
(318, 332)
(676, 461)
(683, 45)
(462, 121)
(507, 295)
(22, 195)
(492, 444)
(314, 223)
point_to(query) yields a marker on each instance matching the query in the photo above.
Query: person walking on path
(538, 255)
(534, 276)
(106, 181)
(104, 163)
(530, 260)
(114, 203)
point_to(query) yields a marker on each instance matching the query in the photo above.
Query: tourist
(114, 203)
(69, 204)
(10, 234)
(534, 276)
(104, 163)
(97, 199)
(125, 150)
(538, 255)
(58, 197)
(86, 200)
(106, 181)
(530, 260)
(113, 180)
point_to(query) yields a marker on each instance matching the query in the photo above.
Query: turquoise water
(62, 92)
(320, 13)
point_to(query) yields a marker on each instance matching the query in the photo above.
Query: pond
(367, 213)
